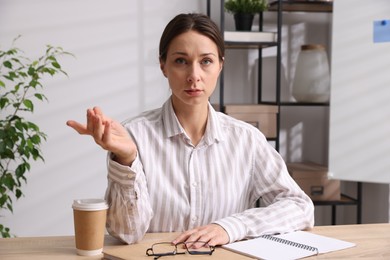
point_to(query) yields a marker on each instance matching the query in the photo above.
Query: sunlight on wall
(115, 67)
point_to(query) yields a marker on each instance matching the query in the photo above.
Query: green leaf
(19, 125)
(9, 141)
(9, 154)
(30, 144)
(2, 84)
(4, 231)
(31, 71)
(36, 139)
(49, 70)
(23, 74)
(9, 181)
(20, 170)
(11, 76)
(18, 193)
(3, 200)
(25, 127)
(39, 96)
(2, 147)
(26, 152)
(56, 65)
(29, 104)
(9, 206)
(51, 58)
(17, 86)
(33, 126)
(33, 83)
(28, 167)
(36, 155)
(3, 102)
(7, 64)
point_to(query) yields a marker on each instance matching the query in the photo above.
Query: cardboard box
(261, 116)
(313, 180)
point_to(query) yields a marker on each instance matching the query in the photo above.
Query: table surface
(372, 242)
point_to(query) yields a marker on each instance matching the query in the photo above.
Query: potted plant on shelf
(244, 12)
(21, 84)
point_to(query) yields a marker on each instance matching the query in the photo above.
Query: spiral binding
(290, 243)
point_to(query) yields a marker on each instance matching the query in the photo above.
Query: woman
(185, 167)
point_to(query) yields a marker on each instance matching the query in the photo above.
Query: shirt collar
(172, 126)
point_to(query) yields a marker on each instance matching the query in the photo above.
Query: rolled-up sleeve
(130, 212)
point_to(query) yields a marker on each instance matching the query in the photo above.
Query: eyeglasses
(167, 248)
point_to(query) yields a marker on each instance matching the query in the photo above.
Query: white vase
(312, 79)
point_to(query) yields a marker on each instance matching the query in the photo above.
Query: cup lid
(90, 204)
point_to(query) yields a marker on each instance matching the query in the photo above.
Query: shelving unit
(345, 200)
(303, 6)
(257, 45)
(281, 6)
(307, 7)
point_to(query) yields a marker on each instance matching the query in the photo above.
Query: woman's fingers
(212, 234)
(94, 126)
(90, 120)
(98, 112)
(108, 134)
(97, 129)
(80, 128)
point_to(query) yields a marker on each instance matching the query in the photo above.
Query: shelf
(313, 104)
(344, 200)
(248, 40)
(303, 6)
(248, 45)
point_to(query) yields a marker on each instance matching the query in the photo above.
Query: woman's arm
(285, 207)
(130, 211)
(129, 214)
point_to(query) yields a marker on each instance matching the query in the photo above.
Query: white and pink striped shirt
(175, 186)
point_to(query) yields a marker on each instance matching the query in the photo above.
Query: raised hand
(109, 134)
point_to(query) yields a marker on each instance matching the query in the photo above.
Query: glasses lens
(198, 247)
(163, 248)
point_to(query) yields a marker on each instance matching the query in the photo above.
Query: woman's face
(192, 67)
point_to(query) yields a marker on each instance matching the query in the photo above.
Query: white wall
(360, 94)
(116, 68)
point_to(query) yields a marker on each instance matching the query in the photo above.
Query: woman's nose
(194, 73)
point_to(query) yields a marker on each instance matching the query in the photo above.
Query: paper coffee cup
(89, 225)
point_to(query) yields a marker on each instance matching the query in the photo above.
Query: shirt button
(194, 219)
(129, 175)
(195, 184)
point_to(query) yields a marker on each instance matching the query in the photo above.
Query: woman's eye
(180, 61)
(207, 62)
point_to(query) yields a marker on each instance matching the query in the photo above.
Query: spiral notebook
(294, 245)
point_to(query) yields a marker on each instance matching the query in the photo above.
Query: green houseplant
(20, 139)
(244, 11)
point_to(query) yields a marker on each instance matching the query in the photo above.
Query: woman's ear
(162, 67)
(221, 63)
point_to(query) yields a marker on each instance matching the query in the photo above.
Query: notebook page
(322, 243)
(262, 248)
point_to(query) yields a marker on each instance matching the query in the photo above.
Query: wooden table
(372, 242)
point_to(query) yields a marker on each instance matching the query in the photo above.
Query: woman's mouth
(194, 92)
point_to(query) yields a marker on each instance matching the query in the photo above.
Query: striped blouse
(174, 186)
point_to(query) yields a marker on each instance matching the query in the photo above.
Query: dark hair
(193, 21)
